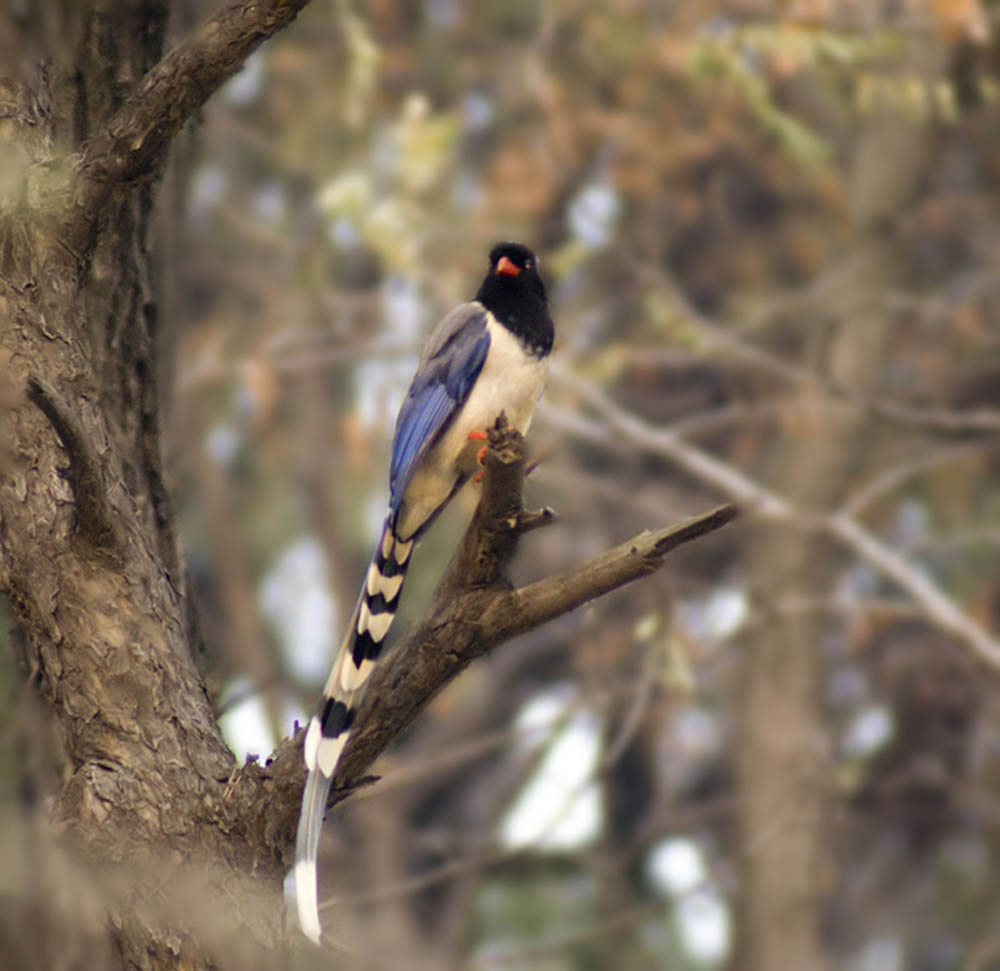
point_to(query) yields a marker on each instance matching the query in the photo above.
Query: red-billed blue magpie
(486, 356)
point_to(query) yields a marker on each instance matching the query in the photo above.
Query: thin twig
(536, 518)
(706, 468)
(936, 605)
(895, 476)
(937, 419)
(533, 605)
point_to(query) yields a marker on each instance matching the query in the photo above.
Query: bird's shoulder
(458, 330)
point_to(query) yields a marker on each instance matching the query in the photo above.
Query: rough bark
(88, 552)
(179, 854)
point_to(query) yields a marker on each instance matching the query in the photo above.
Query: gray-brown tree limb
(149, 794)
(474, 610)
(133, 142)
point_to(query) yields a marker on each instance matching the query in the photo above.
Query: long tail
(330, 727)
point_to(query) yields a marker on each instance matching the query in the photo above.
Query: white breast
(511, 381)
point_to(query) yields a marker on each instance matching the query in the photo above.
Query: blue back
(447, 371)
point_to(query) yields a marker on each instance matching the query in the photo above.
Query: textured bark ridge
(171, 855)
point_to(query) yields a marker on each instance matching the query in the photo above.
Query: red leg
(477, 436)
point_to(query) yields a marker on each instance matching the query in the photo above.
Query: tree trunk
(171, 855)
(88, 548)
(785, 823)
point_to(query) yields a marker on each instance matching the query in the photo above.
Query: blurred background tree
(770, 236)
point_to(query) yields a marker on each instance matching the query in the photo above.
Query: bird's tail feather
(306, 845)
(330, 726)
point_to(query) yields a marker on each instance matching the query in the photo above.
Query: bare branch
(933, 602)
(532, 606)
(704, 467)
(937, 419)
(473, 611)
(135, 139)
(535, 519)
(937, 605)
(895, 476)
(730, 340)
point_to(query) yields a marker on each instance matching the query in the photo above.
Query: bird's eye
(528, 264)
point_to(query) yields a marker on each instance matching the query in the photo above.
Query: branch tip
(536, 519)
(700, 525)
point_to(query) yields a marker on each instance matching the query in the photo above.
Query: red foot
(477, 436)
(478, 477)
(481, 456)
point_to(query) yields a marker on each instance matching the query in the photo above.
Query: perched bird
(486, 356)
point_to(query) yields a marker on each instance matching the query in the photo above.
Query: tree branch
(534, 605)
(474, 610)
(135, 139)
(766, 504)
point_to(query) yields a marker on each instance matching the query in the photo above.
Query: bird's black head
(514, 293)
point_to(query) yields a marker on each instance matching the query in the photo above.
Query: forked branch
(474, 610)
(135, 139)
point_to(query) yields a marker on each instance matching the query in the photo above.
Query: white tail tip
(305, 899)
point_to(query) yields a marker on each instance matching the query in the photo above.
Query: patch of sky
(270, 203)
(558, 809)
(477, 112)
(695, 738)
(294, 598)
(208, 187)
(718, 26)
(859, 581)
(442, 13)
(593, 214)
(696, 730)
(716, 616)
(222, 443)
(847, 686)
(676, 867)
(705, 926)
(867, 731)
(245, 725)
(539, 715)
(884, 953)
(244, 88)
(344, 234)
(384, 383)
(912, 522)
(466, 191)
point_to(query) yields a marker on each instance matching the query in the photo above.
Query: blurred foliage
(720, 192)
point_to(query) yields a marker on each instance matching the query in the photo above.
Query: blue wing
(447, 371)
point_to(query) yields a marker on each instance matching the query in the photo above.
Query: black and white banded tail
(330, 727)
